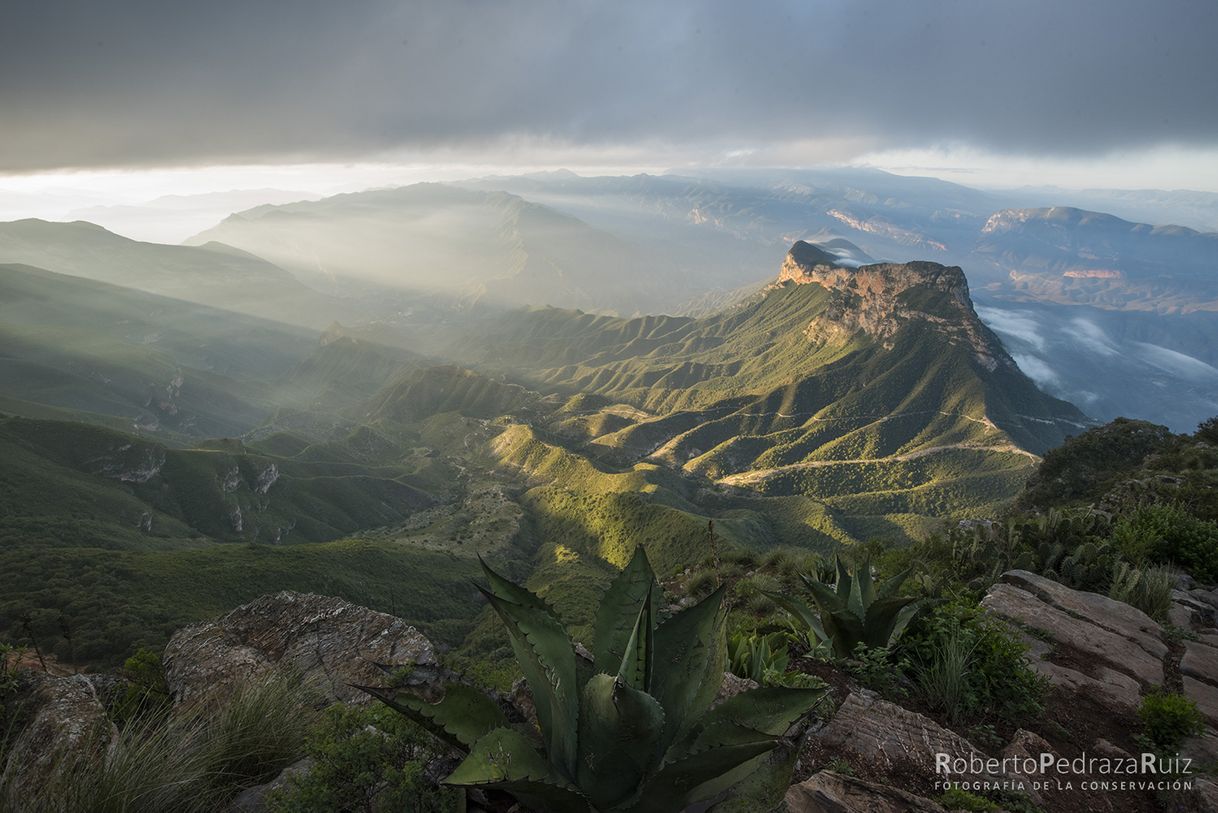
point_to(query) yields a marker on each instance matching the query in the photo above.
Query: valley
(837, 405)
(187, 427)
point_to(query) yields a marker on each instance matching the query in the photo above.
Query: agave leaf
(753, 784)
(691, 653)
(639, 657)
(805, 614)
(844, 630)
(768, 710)
(843, 579)
(880, 625)
(461, 718)
(697, 776)
(827, 600)
(864, 589)
(619, 609)
(619, 740)
(510, 591)
(908, 613)
(505, 760)
(889, 588)
(547, 659)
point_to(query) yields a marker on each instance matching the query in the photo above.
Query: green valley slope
(875, 389)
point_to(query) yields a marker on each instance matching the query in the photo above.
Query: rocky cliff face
(881, 298)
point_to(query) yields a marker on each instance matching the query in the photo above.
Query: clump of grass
(1149, 589)
(942, 675)
(194, 760)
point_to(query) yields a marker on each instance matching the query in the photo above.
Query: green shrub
(998, 683)
(1148, 589)
(1207, 431)
(874, 668)
(8, 674)
(145, 692)
(364, 759)
(1169, 719)
(957, 799)
(1169, 534)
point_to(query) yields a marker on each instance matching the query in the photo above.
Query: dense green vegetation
(364, 759)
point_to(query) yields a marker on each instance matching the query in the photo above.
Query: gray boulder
(326, 641)
(68, 719)
(1096, 644)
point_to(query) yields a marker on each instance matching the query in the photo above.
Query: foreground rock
(68, 718)
(829, 792)
(1096, 645)
(326, 641)
(887, 740)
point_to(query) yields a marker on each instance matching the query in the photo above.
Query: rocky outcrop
(1095, 644)
(68, 718)
(894, 742)
(829, 792)
(327, 641)
(1096, 647)
(879, 299)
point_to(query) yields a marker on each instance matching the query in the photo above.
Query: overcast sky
(1082, 90)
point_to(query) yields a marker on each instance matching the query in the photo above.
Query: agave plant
(855, 610)
(631, 731)
(757, 657)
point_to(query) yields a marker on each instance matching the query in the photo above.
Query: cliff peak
(880, 298)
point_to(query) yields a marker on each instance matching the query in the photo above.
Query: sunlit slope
(879, 384)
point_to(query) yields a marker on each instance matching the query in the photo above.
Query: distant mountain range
(210, 274)
(419, 260)
(465, 243)
(1073, 256)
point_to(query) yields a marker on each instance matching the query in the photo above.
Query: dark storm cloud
(127, 82)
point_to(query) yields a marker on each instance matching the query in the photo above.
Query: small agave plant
(854, 611)
(632, 731)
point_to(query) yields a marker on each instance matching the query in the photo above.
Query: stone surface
(1104, 636)
(1108, 685)
(1026, 744)
(829, 792)
(1099, 610)
(1202, 749)
(67, 719)
(1205, 695)
(324, 640)
(1207, 597)
(1200, 660)
(1206, 792)
(893, 741)
(1104, 748)
(253, 800)
(732, 686)
(1188, 611)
